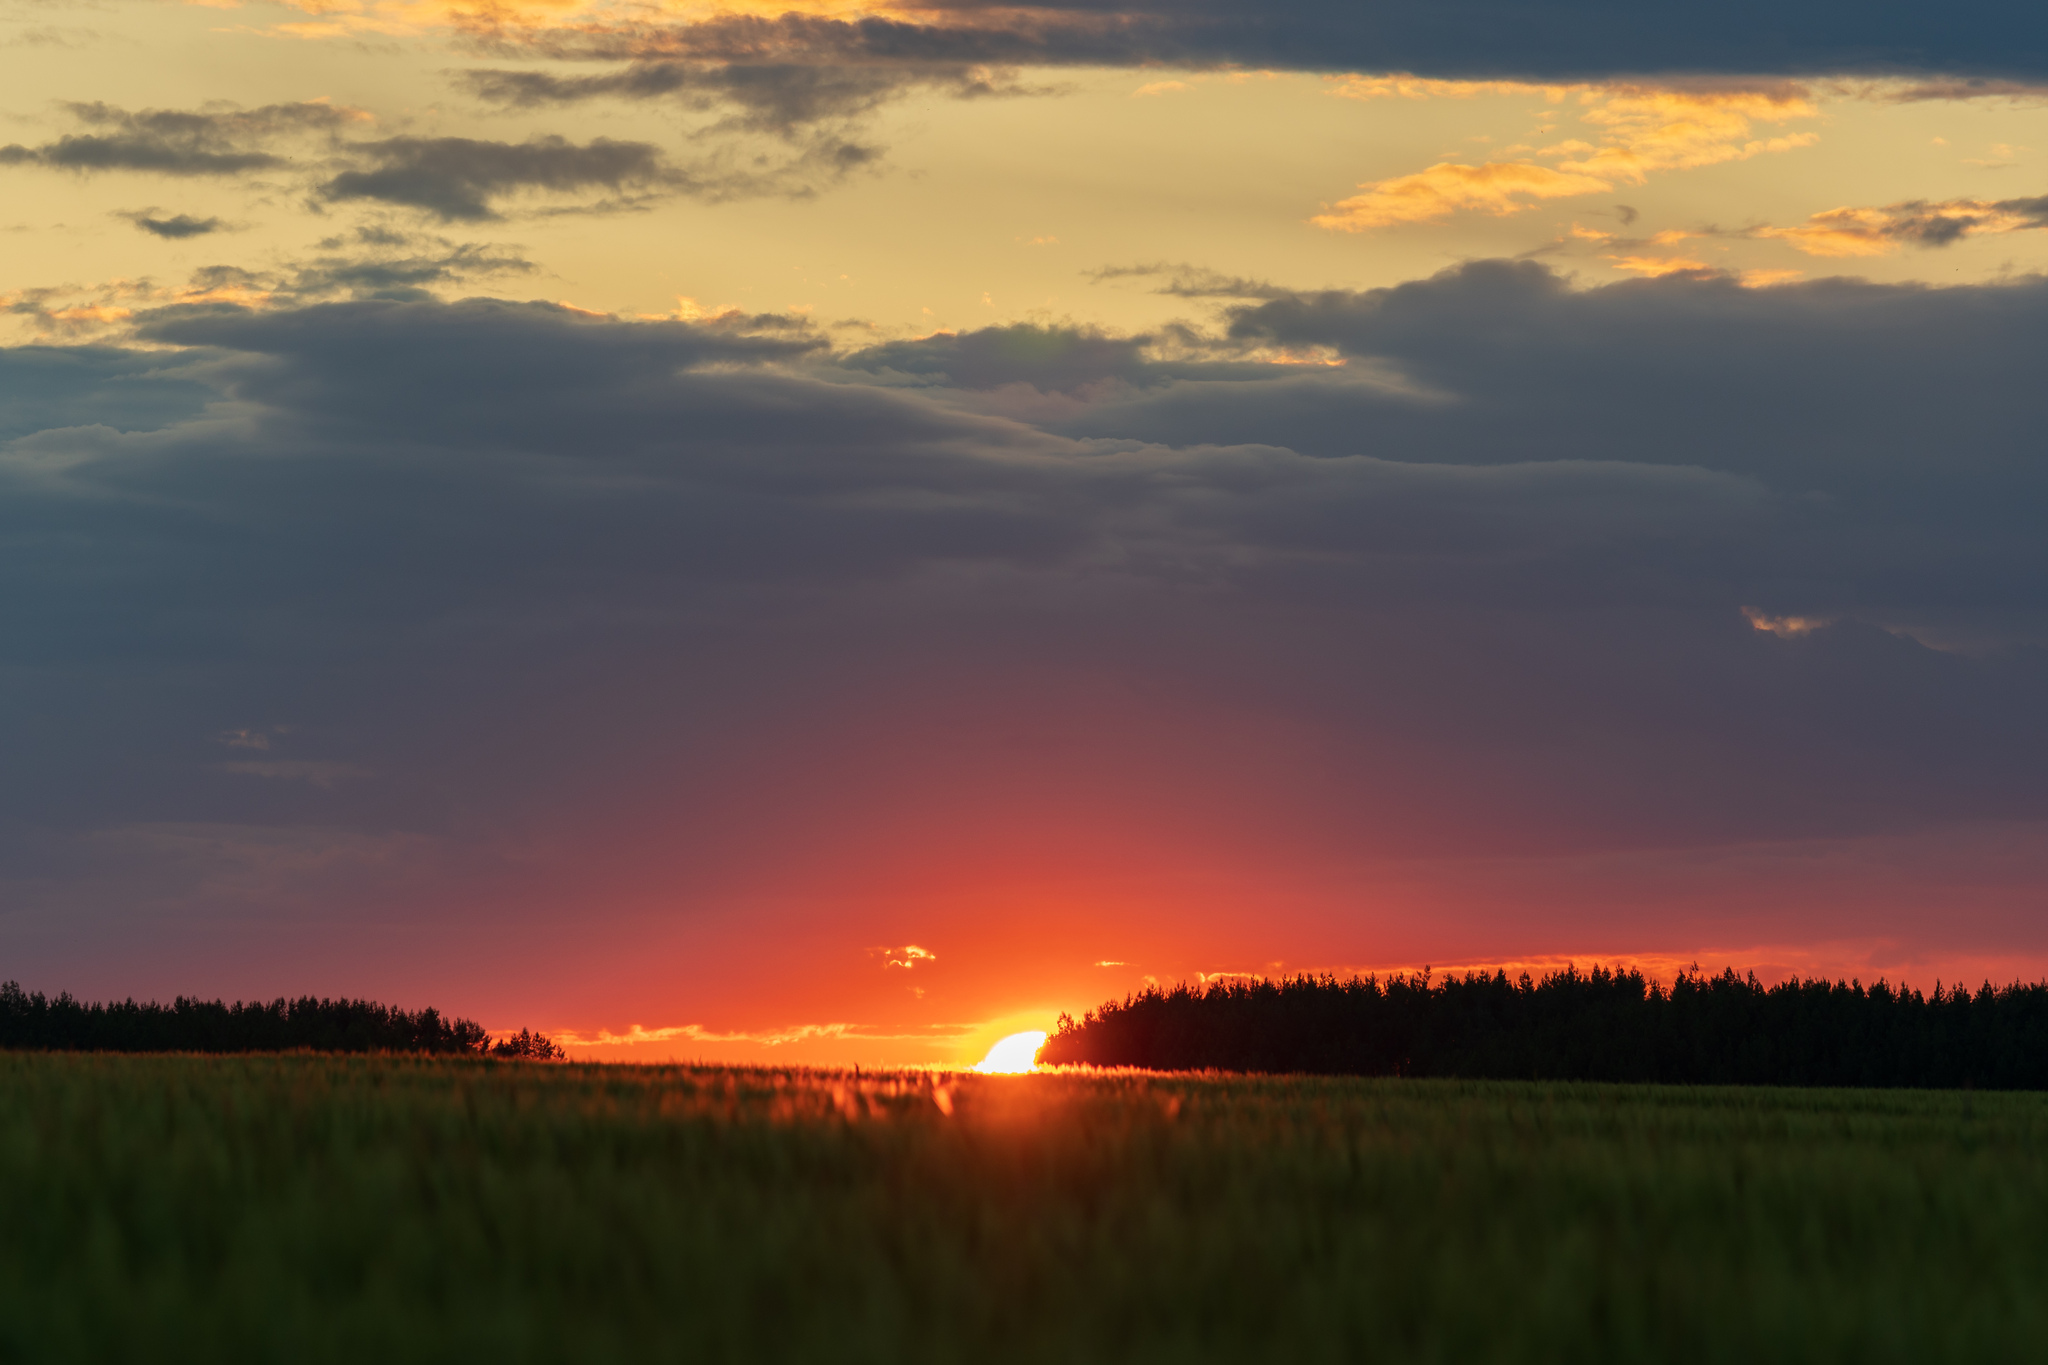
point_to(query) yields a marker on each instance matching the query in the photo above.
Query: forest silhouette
(1597, 1025)
(64, 1024)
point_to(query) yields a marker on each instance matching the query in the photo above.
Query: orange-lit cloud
(397, 18)
(1641, 130)
(1496, 187)
(1786, 627)
(1647, 129)
(637, 1035)
(1656, 266)
(1404, 86)
(1853, 232)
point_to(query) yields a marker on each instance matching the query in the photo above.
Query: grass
(326, 1208)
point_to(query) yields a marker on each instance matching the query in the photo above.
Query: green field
(316, 1208)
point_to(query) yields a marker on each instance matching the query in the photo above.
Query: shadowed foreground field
(319, 1207)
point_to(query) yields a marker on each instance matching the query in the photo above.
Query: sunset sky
(835, 534)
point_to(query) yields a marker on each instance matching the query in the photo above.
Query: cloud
(1851, 232)
(1190, 281)
(1642, 129)
(1973, 45)
(616, 616)
(1497, 187)
(1048, 358)
(1975, 88)
(1646, 129)
(772, 97)
(1786, 627)
(181, 142)
(637, 1035)
(368, 263)
(175, 228)
(457, 178)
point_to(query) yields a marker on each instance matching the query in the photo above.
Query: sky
(834, 534)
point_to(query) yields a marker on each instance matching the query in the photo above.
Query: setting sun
(1014, 1054)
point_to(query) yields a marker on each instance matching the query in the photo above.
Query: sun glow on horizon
(1013, 1055)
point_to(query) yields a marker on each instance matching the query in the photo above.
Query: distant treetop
(1599, 1025)
(65, 1024)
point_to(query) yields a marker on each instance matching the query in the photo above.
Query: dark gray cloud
(1047, 358)
(1920, 223)
(787, 71)
(180, 142)
(457, 178)
(369, 264)
(786, 98)
(514, 578)
(45, 388)
(1191, 281)
(175, 228)
(373, 262)
(412, 271)
(1552, 39)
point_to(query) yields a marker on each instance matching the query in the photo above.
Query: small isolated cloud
(1191, 281)
(1786, 627)
(906, 957)
(457, 178)
(175, 228)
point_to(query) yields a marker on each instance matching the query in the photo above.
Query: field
(325, 1208)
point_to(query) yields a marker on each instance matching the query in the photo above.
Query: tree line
(1597, 1025)
(65, 1024)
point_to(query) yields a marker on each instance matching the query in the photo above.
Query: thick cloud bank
(790, 71)
(1572, 38)
(407, 613)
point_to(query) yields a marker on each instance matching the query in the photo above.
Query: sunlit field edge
(325, 1207)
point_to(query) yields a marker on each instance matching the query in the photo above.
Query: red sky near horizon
(595, 529)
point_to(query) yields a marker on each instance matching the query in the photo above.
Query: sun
(1013, 1055)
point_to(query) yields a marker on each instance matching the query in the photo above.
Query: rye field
(317, 1208)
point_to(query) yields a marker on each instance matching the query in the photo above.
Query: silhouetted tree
(188, 1025)
(1602, 1025)
(529, 1047)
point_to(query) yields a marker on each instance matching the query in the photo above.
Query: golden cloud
(1496, 187)
(1851, 231)
(1647, 129)
(1655, 266)
(1640, 130)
